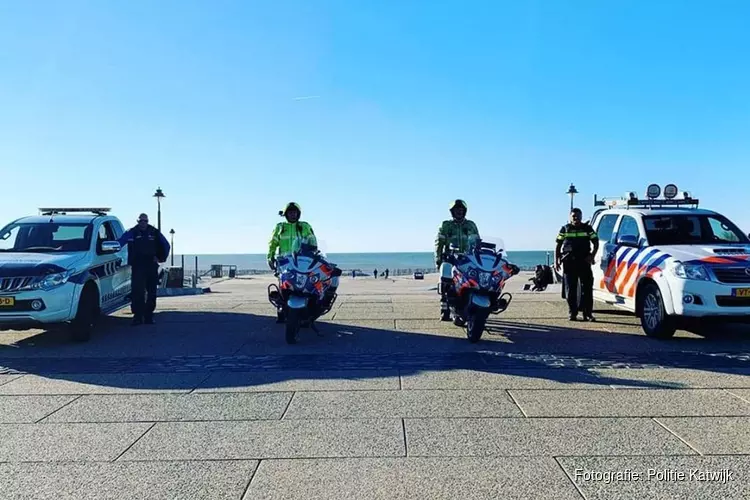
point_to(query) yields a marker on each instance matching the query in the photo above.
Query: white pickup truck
(64, 266)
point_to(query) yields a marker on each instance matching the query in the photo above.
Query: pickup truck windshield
(46, 237)
(691, 229)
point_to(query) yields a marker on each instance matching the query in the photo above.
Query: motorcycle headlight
(484, 279)
(53, 280)
(301, 280)
(314, 279)
(690, 271)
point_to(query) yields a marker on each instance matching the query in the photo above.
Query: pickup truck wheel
(83, 324)
(654, 318)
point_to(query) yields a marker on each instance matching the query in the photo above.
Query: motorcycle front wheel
(475, 323)
(293, 321)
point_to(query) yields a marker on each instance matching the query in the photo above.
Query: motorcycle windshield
(488, 253)
(304, 255)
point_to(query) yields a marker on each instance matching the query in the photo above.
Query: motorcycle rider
(285, 233)
(459, 232)
(283, 240)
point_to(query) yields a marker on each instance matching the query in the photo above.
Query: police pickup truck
(64, 266)
(670, 262)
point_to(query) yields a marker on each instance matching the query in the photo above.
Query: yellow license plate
(741, 292)
(7, 301)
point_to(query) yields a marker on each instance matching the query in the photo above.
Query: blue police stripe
(624, 255)
(634, 256)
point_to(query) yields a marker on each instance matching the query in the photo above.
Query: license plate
(7, 301)
(741, 292)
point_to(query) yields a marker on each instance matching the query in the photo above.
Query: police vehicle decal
(119, 293)
(629, 266)
(19, 269)
(99, 271)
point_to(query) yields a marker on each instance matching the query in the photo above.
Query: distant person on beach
(375, 273)
(386, 274)
(147, 247)
(354, 274)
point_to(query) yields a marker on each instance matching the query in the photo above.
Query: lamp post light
(572, 191)
(171, 237)
(158, 195)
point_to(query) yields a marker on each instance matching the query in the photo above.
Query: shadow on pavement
(225, 349)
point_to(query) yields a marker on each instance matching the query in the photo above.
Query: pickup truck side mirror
(110, 247)
(628, 240)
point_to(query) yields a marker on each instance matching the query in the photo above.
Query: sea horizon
(366, 262)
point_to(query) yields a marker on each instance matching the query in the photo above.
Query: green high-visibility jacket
(285, 234)
(456, 233)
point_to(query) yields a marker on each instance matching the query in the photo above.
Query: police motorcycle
(471, 285)
(306, 289)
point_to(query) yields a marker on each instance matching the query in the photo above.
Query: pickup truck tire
(83, 324)
(655, 321)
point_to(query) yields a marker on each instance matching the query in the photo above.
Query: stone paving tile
(743, 394)
(104, 383)
(630, 403)
(4, 379)
(411, 479)
(540, 437)
(220, 480)
(29, 409)
(174, 407)
(677, 378)
(282, 380)
(401, 404)
(660, 478)
(713, 435)
(67, 442)
(554, 378)
(270, 439)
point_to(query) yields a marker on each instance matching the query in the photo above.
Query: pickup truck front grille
(732, 274)
(9, 285)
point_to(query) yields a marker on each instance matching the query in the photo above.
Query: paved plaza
(386, 403)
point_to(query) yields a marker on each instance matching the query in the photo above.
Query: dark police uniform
(144, 249)
(576, 246)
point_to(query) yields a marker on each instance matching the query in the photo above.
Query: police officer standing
(574, 252)
(147, 247)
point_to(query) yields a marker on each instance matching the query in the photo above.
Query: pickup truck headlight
(690, 271)
(52, 280)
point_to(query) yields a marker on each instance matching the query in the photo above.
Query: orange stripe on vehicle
(721, 260)
(631, 269)
(607, 274)
(618, 272)
(641, 269)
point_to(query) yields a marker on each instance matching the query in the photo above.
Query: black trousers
(144, 280)
(575, 270)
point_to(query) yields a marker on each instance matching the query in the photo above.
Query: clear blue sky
(502, 103)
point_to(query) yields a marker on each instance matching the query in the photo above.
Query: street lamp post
(158, 195)
(171, 237)
(572, 191)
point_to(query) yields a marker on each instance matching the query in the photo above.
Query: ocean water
(364, 262)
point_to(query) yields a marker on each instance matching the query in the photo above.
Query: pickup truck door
(111, 268)
(605, 259)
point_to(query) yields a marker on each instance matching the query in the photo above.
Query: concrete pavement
(389, 403)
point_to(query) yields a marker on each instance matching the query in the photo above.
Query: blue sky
(501, 103)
